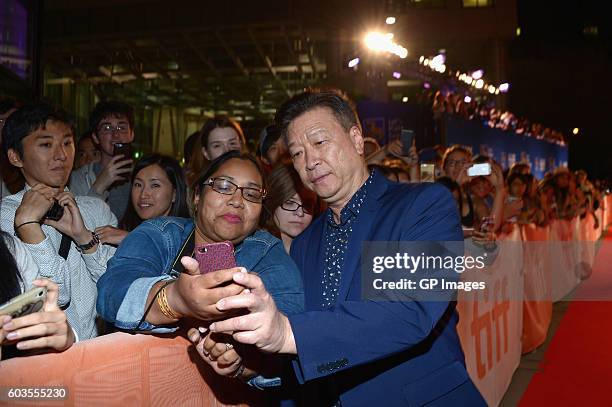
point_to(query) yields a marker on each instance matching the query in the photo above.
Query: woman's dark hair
(10, 281)
(222, 159)
(284, 182)
(174, 172)
(220, 122)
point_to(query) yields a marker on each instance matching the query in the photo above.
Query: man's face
(327, 157)
(86, 153)
(112, 129)
(275, 152)
(48, 155)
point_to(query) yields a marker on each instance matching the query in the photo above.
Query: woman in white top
(45, 329)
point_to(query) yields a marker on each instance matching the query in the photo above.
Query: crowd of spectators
(448, 102)
(115, 243)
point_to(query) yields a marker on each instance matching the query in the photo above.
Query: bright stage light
(378, 42)
(503, 88)
(479, 84)
(397, 75)
(576, 131)
(390, 20)
(467, 99)
(353, 62)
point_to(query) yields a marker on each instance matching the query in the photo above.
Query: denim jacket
(146, 255)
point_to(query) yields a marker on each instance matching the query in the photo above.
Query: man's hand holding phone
(118, 170)
(35, 204)
(194, 295)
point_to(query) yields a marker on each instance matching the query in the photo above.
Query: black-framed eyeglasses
(293, 206)
(227, 187)
(109, 128)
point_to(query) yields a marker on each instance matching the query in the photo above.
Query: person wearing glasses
(228, 204)
(110, 123)
(289, 206)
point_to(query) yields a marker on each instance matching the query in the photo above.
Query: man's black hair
(335, 100)
(269, 135)
(26, 120)
(7, 104)
(110, 108)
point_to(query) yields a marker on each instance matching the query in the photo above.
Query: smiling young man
(39, 141)
(110, 122)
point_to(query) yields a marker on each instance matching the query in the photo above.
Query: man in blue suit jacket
(351, 350)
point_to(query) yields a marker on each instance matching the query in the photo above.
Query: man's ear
(14, 158)
(205, 153)
(95, 139)
(357, 139)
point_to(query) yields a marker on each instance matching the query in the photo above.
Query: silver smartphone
(27, 303)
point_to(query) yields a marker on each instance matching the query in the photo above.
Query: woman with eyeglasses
(289, 206)
(140, 289)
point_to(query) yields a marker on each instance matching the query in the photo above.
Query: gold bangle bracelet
(164, 307)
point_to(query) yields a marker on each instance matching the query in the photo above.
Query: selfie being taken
(306, 203)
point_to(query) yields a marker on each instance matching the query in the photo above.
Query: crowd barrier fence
(124, 369)
(493, 332)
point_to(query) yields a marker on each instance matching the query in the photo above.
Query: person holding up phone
(49, 327)
(144, 274)
(112, 130)
(488, 193)
(39, 140)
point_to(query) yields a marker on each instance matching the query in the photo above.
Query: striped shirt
(77, 275)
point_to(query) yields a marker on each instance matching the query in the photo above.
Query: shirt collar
(353, 207)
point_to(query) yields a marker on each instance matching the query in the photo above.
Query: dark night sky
(561, 77)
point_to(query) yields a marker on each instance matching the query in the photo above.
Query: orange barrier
(124, 370)
(536, 314)
(127, 370)
(490, 321)
(607, 211)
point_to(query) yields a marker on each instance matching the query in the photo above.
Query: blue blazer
(375, 353)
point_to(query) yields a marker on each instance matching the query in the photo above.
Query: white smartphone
(477, 170)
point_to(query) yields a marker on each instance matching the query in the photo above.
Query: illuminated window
(477, 3)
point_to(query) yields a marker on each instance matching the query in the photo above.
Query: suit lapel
(315, 264)
(361, 232)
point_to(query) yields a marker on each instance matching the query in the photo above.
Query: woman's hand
(111, 235)
(220, 355)
(45, 329)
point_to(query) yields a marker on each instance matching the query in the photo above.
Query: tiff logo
(493, 317)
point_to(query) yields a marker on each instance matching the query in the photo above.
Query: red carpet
(578, 363)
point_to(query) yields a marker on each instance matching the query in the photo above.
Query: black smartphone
(406, 138)
(123, 148)
(55, 212)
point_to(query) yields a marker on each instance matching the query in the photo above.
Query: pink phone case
(215, 256)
